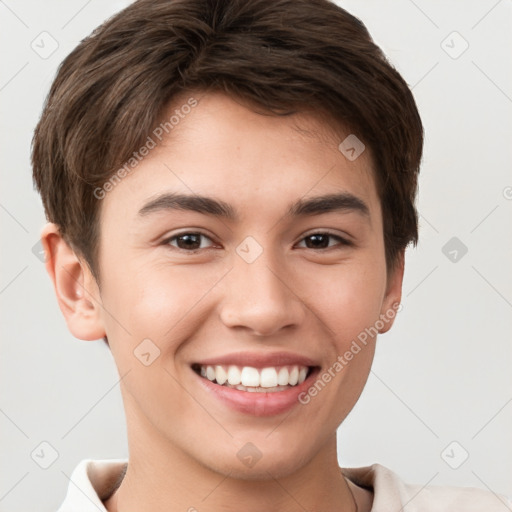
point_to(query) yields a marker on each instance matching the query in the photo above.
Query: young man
(230, 187)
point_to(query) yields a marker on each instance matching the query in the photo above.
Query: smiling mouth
(271, 379)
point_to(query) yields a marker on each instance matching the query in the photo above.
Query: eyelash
(343, 242)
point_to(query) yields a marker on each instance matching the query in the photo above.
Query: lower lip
(258, 403)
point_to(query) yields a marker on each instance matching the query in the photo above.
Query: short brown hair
(281, 55)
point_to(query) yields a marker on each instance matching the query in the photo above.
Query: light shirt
(93, 481)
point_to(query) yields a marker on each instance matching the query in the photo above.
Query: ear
(76, 289)
(393, 296)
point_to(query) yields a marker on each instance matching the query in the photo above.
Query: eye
(188, 241)
(320, 240)
(192, 241)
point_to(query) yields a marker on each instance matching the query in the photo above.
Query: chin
(250, 464)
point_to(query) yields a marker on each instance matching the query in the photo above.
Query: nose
(259, 297)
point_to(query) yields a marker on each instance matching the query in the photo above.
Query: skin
(307, 300)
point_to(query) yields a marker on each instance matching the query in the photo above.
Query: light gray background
(441, 375)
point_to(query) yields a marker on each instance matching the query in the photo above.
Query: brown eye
(322, 241)
(187, 241)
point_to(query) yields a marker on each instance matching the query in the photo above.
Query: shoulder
(90, 483)
(390, 492)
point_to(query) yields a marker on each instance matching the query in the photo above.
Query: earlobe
(393, 296)
(75, 288)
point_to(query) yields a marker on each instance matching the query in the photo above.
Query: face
(263, 282)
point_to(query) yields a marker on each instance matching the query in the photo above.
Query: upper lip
(259, 360)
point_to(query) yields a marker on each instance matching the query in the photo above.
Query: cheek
(159, 302)
(148, 317)
(347, 299)
(348, 304)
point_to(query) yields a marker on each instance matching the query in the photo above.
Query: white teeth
(283, 376)
(268, 378)
(220, 375)
(210, 373)
(234, 375)
(251, 379)
(294, 376)
(257, 390)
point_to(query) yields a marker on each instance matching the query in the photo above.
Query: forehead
(251, 160)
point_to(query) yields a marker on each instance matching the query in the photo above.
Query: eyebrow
(341, 202)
